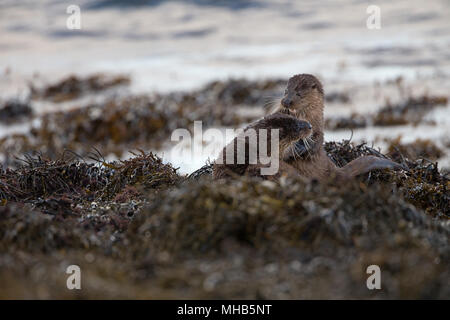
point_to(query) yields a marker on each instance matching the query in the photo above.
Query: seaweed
(268, 215)
(410, 111)
(345, 151)
(138, 229)
(143, 231)
(145, 171)
(423, 184)
(58, 186)
(286, 232)
(240, 91)
(354, 121)
(15, 110)
(73, 87)
(117, 125)
(338, 97)
(420, 148)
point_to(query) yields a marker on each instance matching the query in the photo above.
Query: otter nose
(286, 102)
(304, 125)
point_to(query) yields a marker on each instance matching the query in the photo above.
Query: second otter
(304, 97)
(242, 156)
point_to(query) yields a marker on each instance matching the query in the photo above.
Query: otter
(247, 146)
(304, 98)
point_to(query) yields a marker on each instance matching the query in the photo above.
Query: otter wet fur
(304, 98)
(290, 131)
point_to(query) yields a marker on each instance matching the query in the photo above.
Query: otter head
(304, 92)
(290, 128)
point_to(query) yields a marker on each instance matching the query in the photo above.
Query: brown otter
(247, 146)
(304, 97)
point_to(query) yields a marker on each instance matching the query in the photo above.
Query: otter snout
(287, 102)
(302, 129)
(303, 125)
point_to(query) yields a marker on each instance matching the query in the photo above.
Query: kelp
(14, 110)
(138, 229)
(60, 185)
(143, 231)
(412, 110)
(419, 148)
(423, 185)
(354, 121)
(74, 87)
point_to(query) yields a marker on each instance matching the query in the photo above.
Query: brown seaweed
(420, 148)
(410, 111)
(145, 232)
(74, 87)
(15, 110)
(140, 230)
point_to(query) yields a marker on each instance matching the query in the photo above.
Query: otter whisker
(272, 103)
(310, 141)
(295, 153)
(298, 151)
(305, 142)
(308, 147)
(268, 104)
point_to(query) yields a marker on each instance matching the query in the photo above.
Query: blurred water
(169, 45)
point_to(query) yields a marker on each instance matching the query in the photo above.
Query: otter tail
(367, 163)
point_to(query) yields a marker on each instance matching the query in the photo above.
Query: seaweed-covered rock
(343, 152)
(420, 148)
(422, 185)
(410, 111)
(241, 238)
(293, 235)
(241, 91)
(74, 87)
(355, 121)
(138, 229)
(63, 183)
(28, 229)
(266, 215)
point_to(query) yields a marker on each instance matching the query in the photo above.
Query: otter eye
(298, 94)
